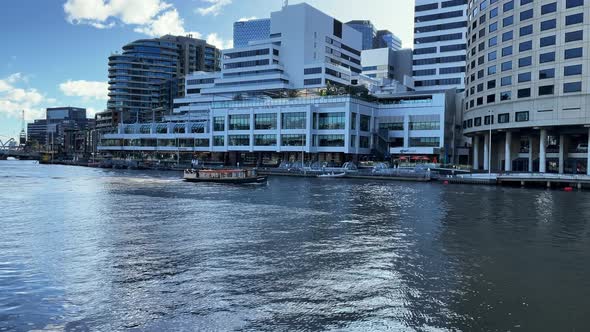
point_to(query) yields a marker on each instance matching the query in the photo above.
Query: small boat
(234, 176)
(332, 175)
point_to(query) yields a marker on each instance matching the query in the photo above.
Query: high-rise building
(385, 38)
(527, 86)
(440, 44)
(149, 74)
(251, 30)
(387, 64)
(37, 131)
(367, 29)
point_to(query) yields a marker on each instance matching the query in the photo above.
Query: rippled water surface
(103, 250)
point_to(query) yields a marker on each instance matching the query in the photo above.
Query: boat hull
(256, 179)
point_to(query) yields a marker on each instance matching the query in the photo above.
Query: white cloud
(167, 23)
(86, 89)
(13, 99)
(214, 7)
(244, 19)
(91, 111)
(218, 42)
(100, 13)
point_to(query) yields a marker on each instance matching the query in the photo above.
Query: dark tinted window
(574, 35)
(525, 46)
(546, 90)
(549, 8)
(546, 73)
(547, 57)
(547, 41)
(574, 19)
(525, 62)
(572, 87)
(549, 24)
(527, 14)
(573, 53)
(572, 70)
(524, 77)
(573, 3)
(527, 30)
(524, 93)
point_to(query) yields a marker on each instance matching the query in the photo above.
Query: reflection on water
(88, 249)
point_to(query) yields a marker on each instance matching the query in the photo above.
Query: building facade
(367, 29)
(291, 95)
(527, 85)
(387, 64)
(251, 30)
(385, 38)
(149, 74)
(37, 132)
(440, 30)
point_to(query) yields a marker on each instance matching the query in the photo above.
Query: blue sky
(55, 52)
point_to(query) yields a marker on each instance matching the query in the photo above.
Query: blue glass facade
(247, 31)
(368, 31)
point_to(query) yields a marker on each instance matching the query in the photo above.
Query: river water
(108, 250)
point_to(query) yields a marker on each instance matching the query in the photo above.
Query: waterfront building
(385, 38)
(149, 74)
(440, 30)
(527, 85)
(37, 132)
(291, 96)
(251, 30)
(368, 31)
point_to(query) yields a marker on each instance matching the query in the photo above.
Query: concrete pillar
(475, 152)
(542, 154)
(530, 154)
(507, 154)
(561, 154)
(588, 158)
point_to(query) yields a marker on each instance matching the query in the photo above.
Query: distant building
(387, 64)
(37, 132)
(149, 74)
(367, 29)
(440, 45)
(386, 38)
(251, 30)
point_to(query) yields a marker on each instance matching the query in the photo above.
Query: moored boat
(332, 175)
(235, 176)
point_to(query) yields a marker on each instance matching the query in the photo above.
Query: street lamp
(490, 145)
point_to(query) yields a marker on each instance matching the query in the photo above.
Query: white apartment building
(278, 99)
(440, 29)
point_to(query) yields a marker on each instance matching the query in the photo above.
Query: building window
(265, 140)
(521, 116)
(525, 62)
(425, 125)
(573, 53)
(491, 99)
(573, 3)
(329, 140)
(574, 36)
(507, 51)
(506, 95)
(527, 14)
(507, 21)
(525, 46)
(352, 141)
(239, 140)
(265, 121)
(524, 77)
(353, 121)
(239, 122)
(506, 36)
(546, 73)
(547, 57)
(492, 41)
(572, 70)
(365, 123)
(293, 140)
(425, 142)
(526, 30)
(572, 87)
(493, 12)
(506, 65)
(487, 119)
(493, 27)
(477, 122)
(218, 140)
(364, 142)
(506, 80)
(574, 19)
(548, 25)
(219, 123)
(392, 126)
(479, 101)
(492, 56)
(332, 121)
(524, 93)
(294, 120)
(504, 118)
(508, 6)
(492, 70)
(549, 8)
(546, 90)
(491, 84)
(547, 41)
